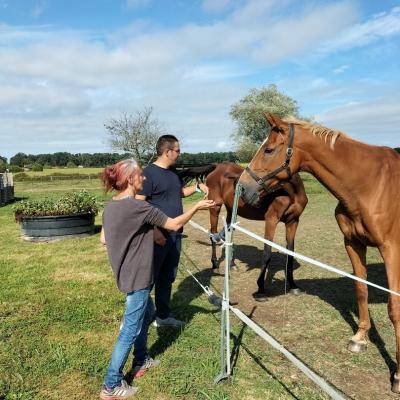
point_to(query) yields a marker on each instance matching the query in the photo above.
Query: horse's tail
(194, 172)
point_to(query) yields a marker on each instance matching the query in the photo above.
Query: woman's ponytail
(116, 176)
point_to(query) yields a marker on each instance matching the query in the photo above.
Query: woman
(128, 234)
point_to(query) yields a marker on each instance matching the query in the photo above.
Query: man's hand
(204, 189)
(159, 238)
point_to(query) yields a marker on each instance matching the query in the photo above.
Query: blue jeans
(166, 261)
(139, 313)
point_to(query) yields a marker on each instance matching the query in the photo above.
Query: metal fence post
(225, 362)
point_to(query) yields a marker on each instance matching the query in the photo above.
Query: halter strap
(285, 166)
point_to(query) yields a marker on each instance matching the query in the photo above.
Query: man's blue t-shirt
(163, 189)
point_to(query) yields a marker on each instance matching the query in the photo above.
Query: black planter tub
(46, 228)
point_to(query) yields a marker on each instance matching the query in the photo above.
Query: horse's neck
(341, 170)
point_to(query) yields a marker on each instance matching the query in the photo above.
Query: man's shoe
(139, 370)
(170, 321)
(123, 391)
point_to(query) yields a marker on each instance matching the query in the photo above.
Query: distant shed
(6, 188)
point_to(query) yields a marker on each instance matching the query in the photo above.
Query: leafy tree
(3, 165)
(60, 159)
(136, 134)
(15, 168)
(246, 150)
(71, 164)
(37, 167)
(248, 113)
(206, 158)
(19, 159)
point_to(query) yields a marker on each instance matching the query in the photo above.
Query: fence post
(225, 362)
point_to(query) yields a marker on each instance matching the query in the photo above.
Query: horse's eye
(268, 150)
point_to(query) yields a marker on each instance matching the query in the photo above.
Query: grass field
(66, 171)
(60, 313)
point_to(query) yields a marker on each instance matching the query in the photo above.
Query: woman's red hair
(116, 176)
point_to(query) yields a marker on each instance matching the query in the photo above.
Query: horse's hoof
(295, 291)
(261, 297)
(357, 346)
(396, 384)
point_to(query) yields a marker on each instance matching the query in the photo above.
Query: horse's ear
(272, 119)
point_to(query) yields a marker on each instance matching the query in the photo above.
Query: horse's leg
(270, 227)
(357, 254)
(391, 256)
(214, 214)
(291, 229)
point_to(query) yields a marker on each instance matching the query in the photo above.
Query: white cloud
(143, 56)
(380, 26)
(374, 121)
(62, 85)
(294, 35)
(341, 69)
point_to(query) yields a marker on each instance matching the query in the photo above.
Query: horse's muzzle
(250, 195)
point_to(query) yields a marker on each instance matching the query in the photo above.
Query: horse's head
(273, 163)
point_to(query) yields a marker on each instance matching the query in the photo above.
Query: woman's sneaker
(139, 370)
(123, 391)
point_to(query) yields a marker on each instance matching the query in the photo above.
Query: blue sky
(66, 67)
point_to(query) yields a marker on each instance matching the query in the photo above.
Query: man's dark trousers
(166, 261)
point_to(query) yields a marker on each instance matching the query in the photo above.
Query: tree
(19, 159)
(136, 134)
(248, 113)
(37, 167)
(3, 165)
(245, 149)
(71, 164)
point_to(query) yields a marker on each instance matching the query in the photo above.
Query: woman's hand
(159, 238)
(205, 204)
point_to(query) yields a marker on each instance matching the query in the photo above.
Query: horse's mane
(327, 134)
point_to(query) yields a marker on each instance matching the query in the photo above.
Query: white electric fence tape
(264, 335)
(311, 261)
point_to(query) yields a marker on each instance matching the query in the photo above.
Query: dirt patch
(317, 324)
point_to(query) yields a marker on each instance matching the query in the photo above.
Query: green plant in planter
(81, 202)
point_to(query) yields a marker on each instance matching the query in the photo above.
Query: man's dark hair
(165, 142)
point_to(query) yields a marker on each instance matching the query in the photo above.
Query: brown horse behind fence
(273, 208)
(366, 181)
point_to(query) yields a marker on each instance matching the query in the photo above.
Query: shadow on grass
(252, 257)
(238, 343)
(338, 292)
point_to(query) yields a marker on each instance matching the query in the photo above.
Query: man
(164, 189)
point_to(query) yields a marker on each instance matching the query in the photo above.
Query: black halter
(284, 167)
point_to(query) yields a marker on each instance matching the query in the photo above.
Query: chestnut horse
(365, 179)
(283, 205)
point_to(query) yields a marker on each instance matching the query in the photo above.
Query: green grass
(60, 313)
(65, 171)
